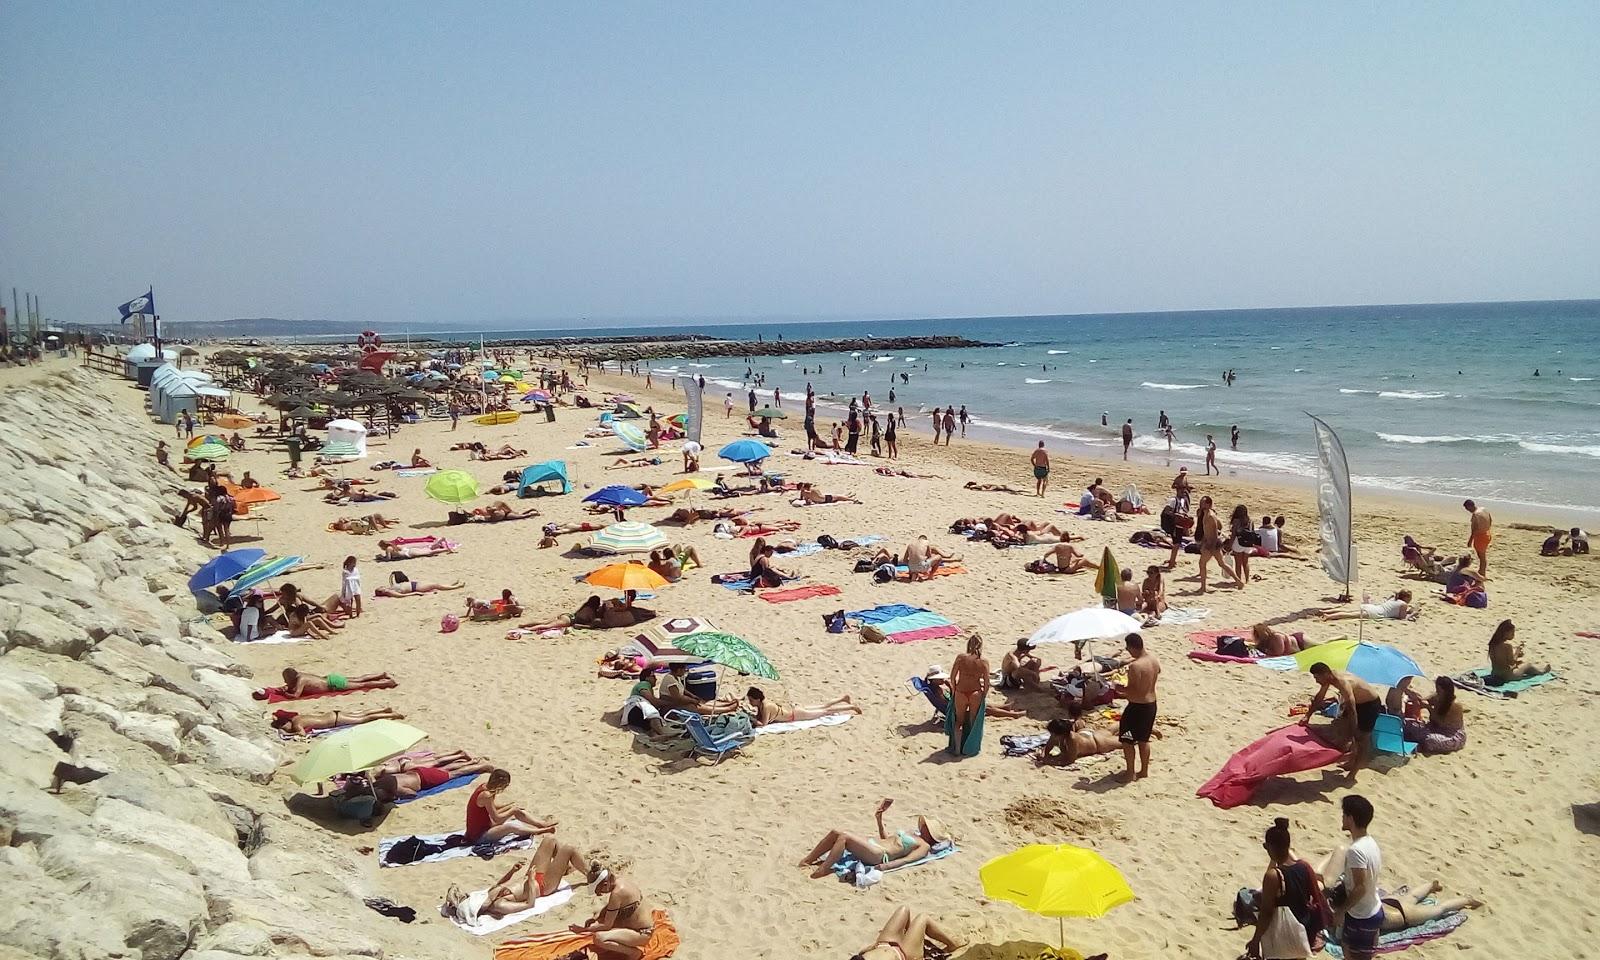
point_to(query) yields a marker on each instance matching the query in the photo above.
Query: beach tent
(543, 473)
(348, 432)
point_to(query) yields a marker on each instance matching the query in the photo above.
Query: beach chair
(704, 743)
(1389, 736)
(1429, 567)
(926, 689)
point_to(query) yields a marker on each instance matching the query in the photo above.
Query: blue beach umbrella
(745, 451)
(264, 571)
(616, 495)
(1376, 663)
(225, 567)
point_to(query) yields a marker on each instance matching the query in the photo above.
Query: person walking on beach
(752, 400)
(949, 424)
(901, 411)
(1211, 455)
(1233, 439)
(889, 438)
(853, 430)
(1363, 862)
(350, 588)
(1041, 470)
(727, 406)
(875, 436)
(937, 425)
(1127, 436)
(1162, 422)
(777, 397)
(1139, 716)
(455, 414)
(1480, 535)
(962, 416)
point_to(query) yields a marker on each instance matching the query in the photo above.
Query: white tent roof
(210, 391)
(147, 351)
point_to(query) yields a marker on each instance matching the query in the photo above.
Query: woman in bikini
(1445, 730)
(763, 711)
(969, 685)
(552, 862)
(905, 937)
(1505, 658)
(288, 721)
(1276, 643)
(401, 585)
(1403, 907)
(884, 853)
(623, 927)
(1072, 737)
(586, 615)
(1153, 592)
(306, 622)
(390, 550)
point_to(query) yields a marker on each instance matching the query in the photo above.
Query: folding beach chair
(1389, 736)
(704, 742)
(926, 689)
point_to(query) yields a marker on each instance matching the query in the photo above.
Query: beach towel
(829, 721)
(556, 944)
(1179, 616)
(1478, 682)
(454, 782)
(1409, 937)
(397, 852)
(787, 594)
(1020, 745)
(282, 636)
(973, 742)
(415, 471)
(1205, 642)
(845, 869)
(276, 695)
(903, 623)
(903, 573)
(1288, 749)
(1588, 634)
(483, 926)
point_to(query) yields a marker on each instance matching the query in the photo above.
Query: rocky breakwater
(610, 350)
(184, 847)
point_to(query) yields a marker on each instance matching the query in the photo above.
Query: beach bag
(449, 623)
(884, 573)
(827, 542)
(1232, 647)
(834, 622)
(871, 634)
(1246, 906)
(1477, 599)
(863, 565)
(1039, 566)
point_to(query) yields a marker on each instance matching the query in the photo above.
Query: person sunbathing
(500, 510)
(490, 821)
(557, 529)
(404, 779)
(506, 452)
(923, 559)
(811, 496)
(1275, 643)
(905, 937)
(587, 615)
(1072, 737)
(765, 573)
(1403, 908)
(1153, 592)
(892, 472)
(1020, 669)
(622, 613)
(1034, 534)
(541, 876)
(883, 853)
(290, 722)
(297, 684)
(1150, 538)
(627, 463)
(1506, 662)
(763, 711)
(1066, 559)
(392, 550)
(990, 487)
(616, 665)
(348, 497)
(344, 483)
(671, 692)
(401, 585)
(1397, 607)
(669, 561)
(362, 526)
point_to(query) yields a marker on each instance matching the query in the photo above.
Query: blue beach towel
(450, 784)
(846, 867)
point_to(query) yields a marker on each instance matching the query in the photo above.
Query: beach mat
(788, 594)
(1181, 616)
(483, 926)
(832, 720)
(903, 623)
(1409, 937)
(1477, 681)
(846, 867)
(903, 573)
(551, 946)
(451, 784)
(1290, 749)
(282, 636)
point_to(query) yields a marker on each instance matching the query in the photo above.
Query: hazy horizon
(656, 164)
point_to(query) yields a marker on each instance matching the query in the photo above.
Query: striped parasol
(629, 434)
(1106, 579)
(629, 536)
(207, 451)
(339, 450)
(262, 572)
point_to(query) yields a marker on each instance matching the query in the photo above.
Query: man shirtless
(923, 559)
(1067, 559)
(1359, 707)
(1041, 470)
(1139, 716)
(297, 685)
(624, 925)
(1480, 535)
(1127, 593)
(1021, 668)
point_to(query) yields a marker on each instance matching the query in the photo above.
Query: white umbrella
(1090, 623)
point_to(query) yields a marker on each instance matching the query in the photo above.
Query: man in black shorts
(1139, 716)
(1359, 707)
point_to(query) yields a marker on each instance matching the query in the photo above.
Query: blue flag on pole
(144, 304)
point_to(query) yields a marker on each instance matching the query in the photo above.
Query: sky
(537, 163)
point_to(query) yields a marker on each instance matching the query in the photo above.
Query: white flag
(1333, 505)
(692, 413)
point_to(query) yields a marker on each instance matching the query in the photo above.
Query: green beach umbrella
(355, 748)
(770, 413)
(207, 451)
(452, 486)
(730, 651)
(1107, 578)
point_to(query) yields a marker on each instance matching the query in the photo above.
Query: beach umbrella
(745, 451)
(626, 576)
(1056, 880)
(735, 653)
(680, 419)
(629, 434)
(224, 567)
(1091, 623)
(208, 451)
(202, 438)
(244, 499)
(339, 450)
(232, 421)
(262, 572)
(627, 536)
(1106, 579)
(452, 486)
(616, 495)
(302, 413)
(687, 483)
(1373, 662)
(770, 413)
(355, 748)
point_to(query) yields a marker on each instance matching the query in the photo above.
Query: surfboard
(497, 418)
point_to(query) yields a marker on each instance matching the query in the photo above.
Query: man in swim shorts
(1359, 707)
(1480, 535)
(1041, 470)
(1139, 716)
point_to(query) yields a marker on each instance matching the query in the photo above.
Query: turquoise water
(1435, 399)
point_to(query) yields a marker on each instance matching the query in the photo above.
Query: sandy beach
(717, 845)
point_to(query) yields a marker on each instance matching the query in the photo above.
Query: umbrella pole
(1061, 933)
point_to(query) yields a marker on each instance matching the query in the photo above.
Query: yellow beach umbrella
(1056, 880)
(355, 748)
(687, 483)
(626, 576)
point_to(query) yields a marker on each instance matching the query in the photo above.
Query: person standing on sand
(727, 406)
(1139, 716)
(455, 414)
(1041, 470)
(1211, 455)
(1127, 436)
(777, 397)
(962, 416)
(1480, 534)
(969, 686)
(752, 399)
(949, 424)
(1363, 862)
(937, 425)
(889, 437)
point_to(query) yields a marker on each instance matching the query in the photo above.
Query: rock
(229, 754)
(159, 733)
(34, 682)
(227, 691)
(126, 823)
(29, 754)
(39, 630)
(159, 905)
(40, 916)
(90, 707)
(236, 938)
(63, 567)
(287, 918)
(187, 711)
(32, 814)
(169, 792)
(24, 707)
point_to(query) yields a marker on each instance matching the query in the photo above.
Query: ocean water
(1438, 399)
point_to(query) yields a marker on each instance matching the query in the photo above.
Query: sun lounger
(705, 744)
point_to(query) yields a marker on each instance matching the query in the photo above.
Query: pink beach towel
(799, 593)
(925, 633)
(1288, 749)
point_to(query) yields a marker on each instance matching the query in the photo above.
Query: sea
(1495, 401)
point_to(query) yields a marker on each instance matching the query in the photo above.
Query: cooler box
(701, 682)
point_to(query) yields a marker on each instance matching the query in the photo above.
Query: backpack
(1246, 906)
(827, 541)
(834, 622)
(1230, 646)
(863, 565)
(885, 573)
(1247, 538)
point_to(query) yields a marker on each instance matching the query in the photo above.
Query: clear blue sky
(492, 163)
